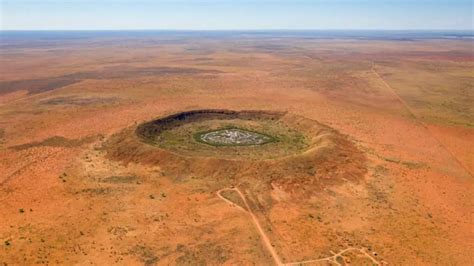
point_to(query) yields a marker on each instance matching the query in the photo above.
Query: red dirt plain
(406, 105)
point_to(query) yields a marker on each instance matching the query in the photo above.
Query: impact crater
(263, 149)
(225, 134)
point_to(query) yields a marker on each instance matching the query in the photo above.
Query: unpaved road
(265, 239)
(268, 244)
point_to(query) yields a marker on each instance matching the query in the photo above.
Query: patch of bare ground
(79, 101)
(56, 141)
(2, 135)
(120, 179)
(35, 86)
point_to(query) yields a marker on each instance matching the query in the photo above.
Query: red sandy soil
(405, 105)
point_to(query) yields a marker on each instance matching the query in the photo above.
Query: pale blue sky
(235, 14)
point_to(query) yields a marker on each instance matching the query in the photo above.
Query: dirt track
(412, 112)
(265, 239)
(269, 245)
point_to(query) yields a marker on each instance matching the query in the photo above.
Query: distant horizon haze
(236, 15)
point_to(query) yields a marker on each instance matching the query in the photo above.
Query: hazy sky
(236, 14)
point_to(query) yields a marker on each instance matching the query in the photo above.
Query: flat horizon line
(248, 30)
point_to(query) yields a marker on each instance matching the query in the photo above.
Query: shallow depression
(233, 137)
(231, 134)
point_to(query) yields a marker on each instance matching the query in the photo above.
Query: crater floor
(233, 137)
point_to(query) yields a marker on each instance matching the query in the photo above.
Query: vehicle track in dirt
(264, 236)
(269, 246)
(420, 122)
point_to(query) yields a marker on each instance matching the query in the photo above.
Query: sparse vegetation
(372, 157)
(185, 135)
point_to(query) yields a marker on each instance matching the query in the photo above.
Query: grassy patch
(183, 134)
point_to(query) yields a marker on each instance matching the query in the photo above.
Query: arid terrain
(372, 163)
